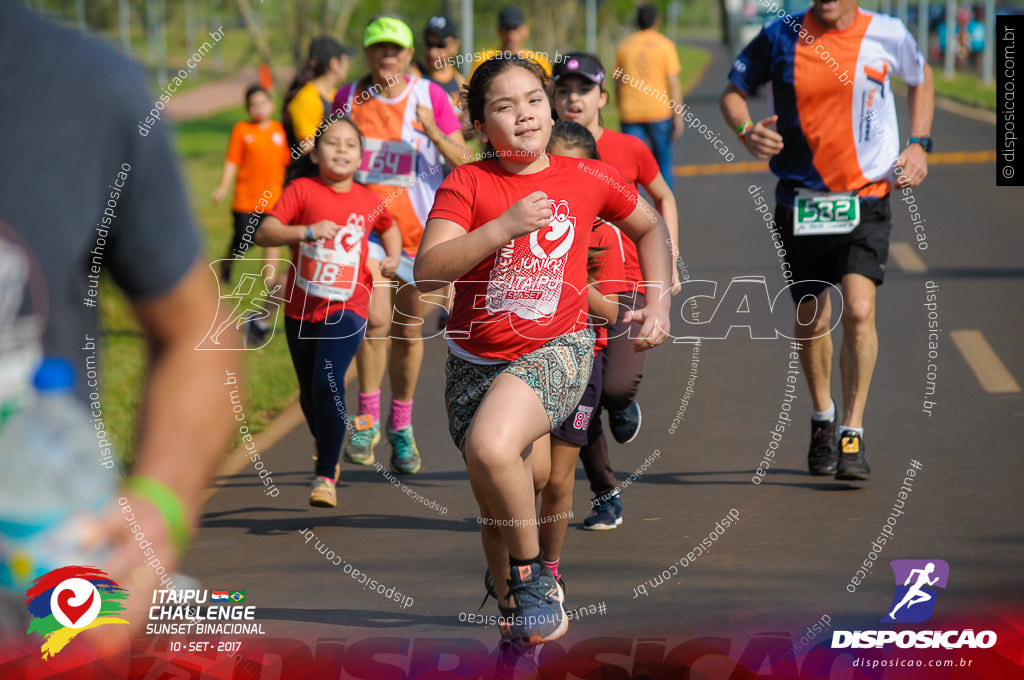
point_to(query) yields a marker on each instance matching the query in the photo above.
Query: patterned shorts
(558, 371)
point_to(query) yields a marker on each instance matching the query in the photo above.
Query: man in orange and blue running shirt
(836, 152)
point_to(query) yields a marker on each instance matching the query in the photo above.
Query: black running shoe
(823, 456)
(625, 424)
(852, 463)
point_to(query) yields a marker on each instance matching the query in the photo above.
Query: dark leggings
(623, 370)
(242, 224)
(321, 357)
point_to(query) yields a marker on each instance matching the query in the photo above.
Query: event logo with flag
(237, 596)
(69, 600)
(218, 596)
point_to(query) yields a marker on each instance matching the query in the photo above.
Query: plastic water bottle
(53, 481)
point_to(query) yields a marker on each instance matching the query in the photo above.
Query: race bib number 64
(387, 162)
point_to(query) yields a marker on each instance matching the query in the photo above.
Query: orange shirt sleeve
(286, 152)
(235, 146)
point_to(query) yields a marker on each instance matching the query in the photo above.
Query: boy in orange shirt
(257, 156)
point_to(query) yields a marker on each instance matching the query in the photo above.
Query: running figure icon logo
(254, 302)
(914, 600)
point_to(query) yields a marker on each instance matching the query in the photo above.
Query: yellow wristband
(167, 502)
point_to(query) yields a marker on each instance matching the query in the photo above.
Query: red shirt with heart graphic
(330, 275)
(534, 288)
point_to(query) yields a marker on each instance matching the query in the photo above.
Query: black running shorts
(817, 259)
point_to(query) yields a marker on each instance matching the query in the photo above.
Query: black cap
(580, 64)
(442, 27)
(511, 18)
(324, 47)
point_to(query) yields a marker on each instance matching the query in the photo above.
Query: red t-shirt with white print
(534, 288)
(330, 275)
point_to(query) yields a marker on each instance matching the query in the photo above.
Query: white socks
(825, 416)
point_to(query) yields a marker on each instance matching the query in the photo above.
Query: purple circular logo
(573, 64)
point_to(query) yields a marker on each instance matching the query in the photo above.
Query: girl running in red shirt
(327, 220)
(579, 97)
(520, 351)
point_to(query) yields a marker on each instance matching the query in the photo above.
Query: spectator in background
(257, 156)
(649, 58)
(311, 95)
(513, 32)
(442, 44)
(976, 35)
(152, 252)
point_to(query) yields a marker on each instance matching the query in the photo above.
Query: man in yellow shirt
(513, 32)
(647, 87)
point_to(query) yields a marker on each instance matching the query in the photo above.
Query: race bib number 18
(821, 213)
(330, 269)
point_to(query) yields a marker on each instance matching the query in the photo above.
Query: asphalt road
(799, 540)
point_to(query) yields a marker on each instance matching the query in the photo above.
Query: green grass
(966, 88)
(270, 381)
(693, 60)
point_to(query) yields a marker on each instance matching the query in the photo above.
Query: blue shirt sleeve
(752, 67)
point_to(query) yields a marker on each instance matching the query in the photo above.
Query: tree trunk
(341, 25)
(257, 33)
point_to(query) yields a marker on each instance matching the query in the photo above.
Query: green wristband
(742, 129)
(167, 502)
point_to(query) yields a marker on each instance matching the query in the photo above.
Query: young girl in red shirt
(327, 221)
(520, 352)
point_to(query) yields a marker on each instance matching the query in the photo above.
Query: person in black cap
(579, 96)
(441, 39)
(513, 33)
(310, 96)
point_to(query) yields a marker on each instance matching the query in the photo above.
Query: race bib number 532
(822, 213)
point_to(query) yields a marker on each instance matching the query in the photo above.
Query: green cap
(388, 29)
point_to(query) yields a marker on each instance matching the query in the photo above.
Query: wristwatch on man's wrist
(925, 142)
(309, 234)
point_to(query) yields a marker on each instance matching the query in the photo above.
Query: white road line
(906, 257)
(982, 359)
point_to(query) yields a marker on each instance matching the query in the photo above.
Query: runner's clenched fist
(527, 215)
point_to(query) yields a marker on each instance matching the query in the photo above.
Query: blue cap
(54, 375)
